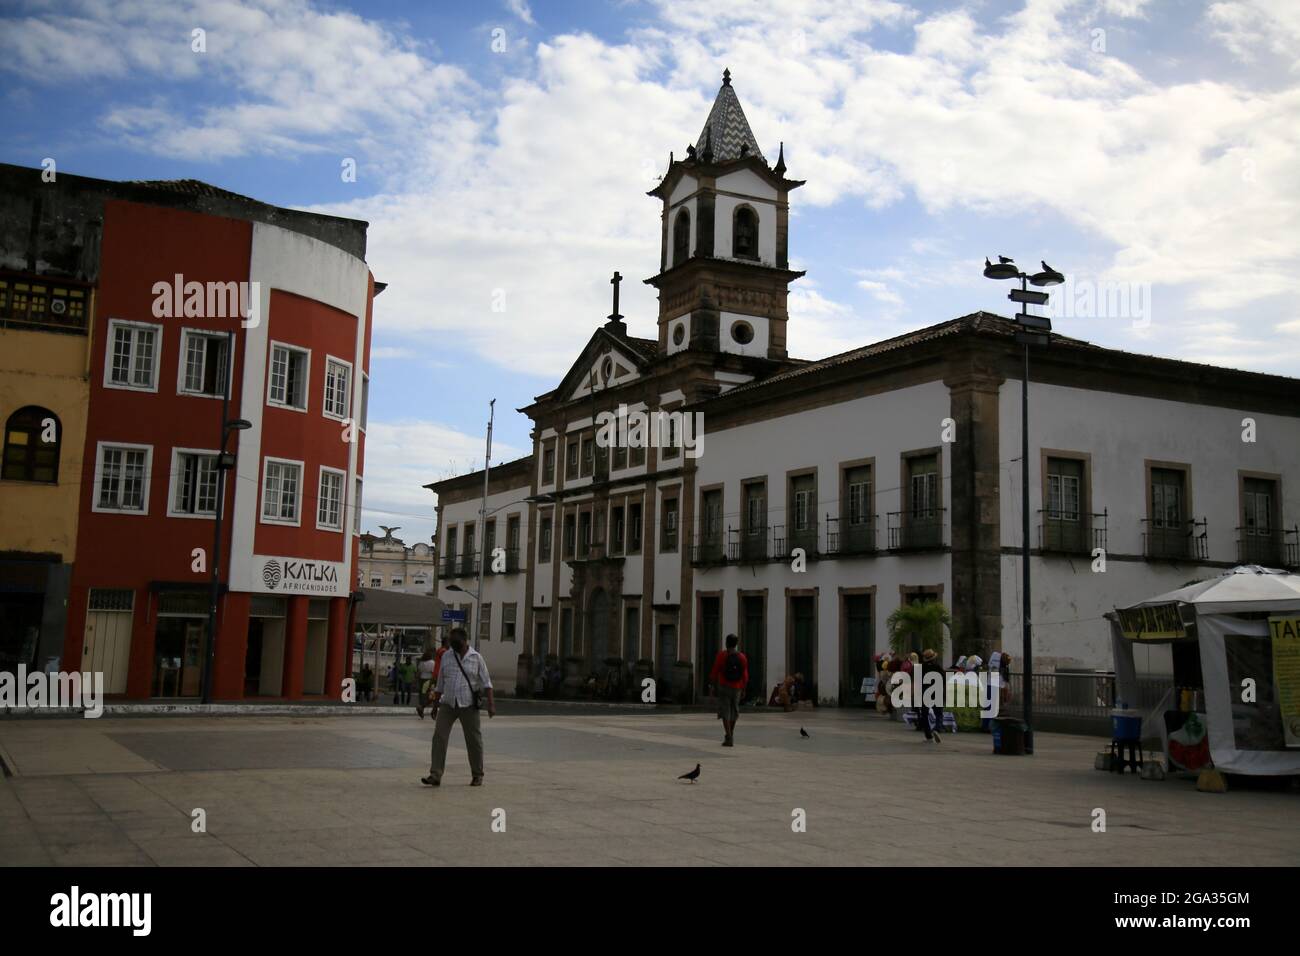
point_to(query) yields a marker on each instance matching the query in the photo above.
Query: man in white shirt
(463, 682)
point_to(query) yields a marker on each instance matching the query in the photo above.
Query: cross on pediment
(614, 316)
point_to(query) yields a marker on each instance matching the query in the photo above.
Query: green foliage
(922, 623)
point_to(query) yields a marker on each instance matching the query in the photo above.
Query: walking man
(461, 688)
(730, 674)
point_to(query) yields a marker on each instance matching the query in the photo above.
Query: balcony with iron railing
(1276, 548)
(709, 548)
(460, 565)
(1178, 541)
(1061, 532)
(749, 545)
(511, 562)
(844, 537)
(919, 531)
(786, 539)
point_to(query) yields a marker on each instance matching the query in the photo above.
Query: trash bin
(1009, 736)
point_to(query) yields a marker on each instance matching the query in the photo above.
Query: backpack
(733, 670)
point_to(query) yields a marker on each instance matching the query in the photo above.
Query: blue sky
(1147, 148)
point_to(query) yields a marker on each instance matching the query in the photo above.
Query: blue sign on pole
(451, 616)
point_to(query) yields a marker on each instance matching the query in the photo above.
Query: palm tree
(923, 623)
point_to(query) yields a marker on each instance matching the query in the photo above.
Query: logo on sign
(271, 574)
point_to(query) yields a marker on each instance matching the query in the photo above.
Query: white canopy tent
(1246, 626)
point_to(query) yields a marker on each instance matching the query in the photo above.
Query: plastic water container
(1126, 724)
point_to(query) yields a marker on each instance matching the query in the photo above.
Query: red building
(182, 266)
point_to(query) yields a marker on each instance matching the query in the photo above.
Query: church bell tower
(724, 269)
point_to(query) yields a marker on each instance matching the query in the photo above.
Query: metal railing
(844, 537)
(915, 532)
(749, 547)
(1083, 693)
(796, 537)
(512, 562)
(1255, 547)
(1183, 540)
(1071, 534)
(709, 549)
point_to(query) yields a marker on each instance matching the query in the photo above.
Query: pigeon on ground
(804, 733)
(692, 776)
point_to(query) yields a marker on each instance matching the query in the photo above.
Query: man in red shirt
(730, 674)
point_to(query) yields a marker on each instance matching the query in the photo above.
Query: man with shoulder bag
(462, 689)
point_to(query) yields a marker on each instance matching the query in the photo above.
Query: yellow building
(44, 397)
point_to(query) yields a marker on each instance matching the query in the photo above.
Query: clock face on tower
(679, 333)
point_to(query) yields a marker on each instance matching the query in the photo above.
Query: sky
(502, 152)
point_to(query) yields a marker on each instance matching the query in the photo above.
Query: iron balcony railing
(709, 547)
(915, 531)
(511, 562)
(787, 539)
(848, 537)
(1291, 547)
(1184, 540)
(749, 545)
(1066, 533)
(459, 565)
(1260, 547)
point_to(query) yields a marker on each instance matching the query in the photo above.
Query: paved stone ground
(600, 789)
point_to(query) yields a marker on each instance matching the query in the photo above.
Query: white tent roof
(1246, 588)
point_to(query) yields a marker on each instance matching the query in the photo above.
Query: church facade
(703, 482)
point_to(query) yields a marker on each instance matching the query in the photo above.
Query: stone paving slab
(600, 789)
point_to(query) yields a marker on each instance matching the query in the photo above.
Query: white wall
(1121, 432)
(497, 588)
(881, 426)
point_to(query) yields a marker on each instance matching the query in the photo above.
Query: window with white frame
(365, 401)
(204, 363)
(194, 483)
(281, 490)
(338, 379)
(290, 368)
(132, 359)
(122, 478)
(329, 504)
(356, 510)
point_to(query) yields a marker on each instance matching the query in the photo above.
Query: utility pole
(482, 521)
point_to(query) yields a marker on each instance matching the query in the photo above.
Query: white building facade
(798, 504)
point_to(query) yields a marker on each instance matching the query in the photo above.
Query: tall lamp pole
(1033, 330)
(225, 462)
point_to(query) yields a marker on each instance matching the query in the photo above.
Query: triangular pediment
(607, 361)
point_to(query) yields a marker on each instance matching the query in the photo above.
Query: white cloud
(405, 455)
(1247, 27)
(521, 10)
(302, 80)
(530, 195)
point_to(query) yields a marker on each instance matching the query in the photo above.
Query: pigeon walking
(804, 733)
(692, 776)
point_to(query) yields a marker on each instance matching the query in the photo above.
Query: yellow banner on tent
(1159, 622)
(1286, 674)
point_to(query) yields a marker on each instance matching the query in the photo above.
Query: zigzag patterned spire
(726, 130)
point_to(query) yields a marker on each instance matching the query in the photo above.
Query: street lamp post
(225, 461)
(1034, 330)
